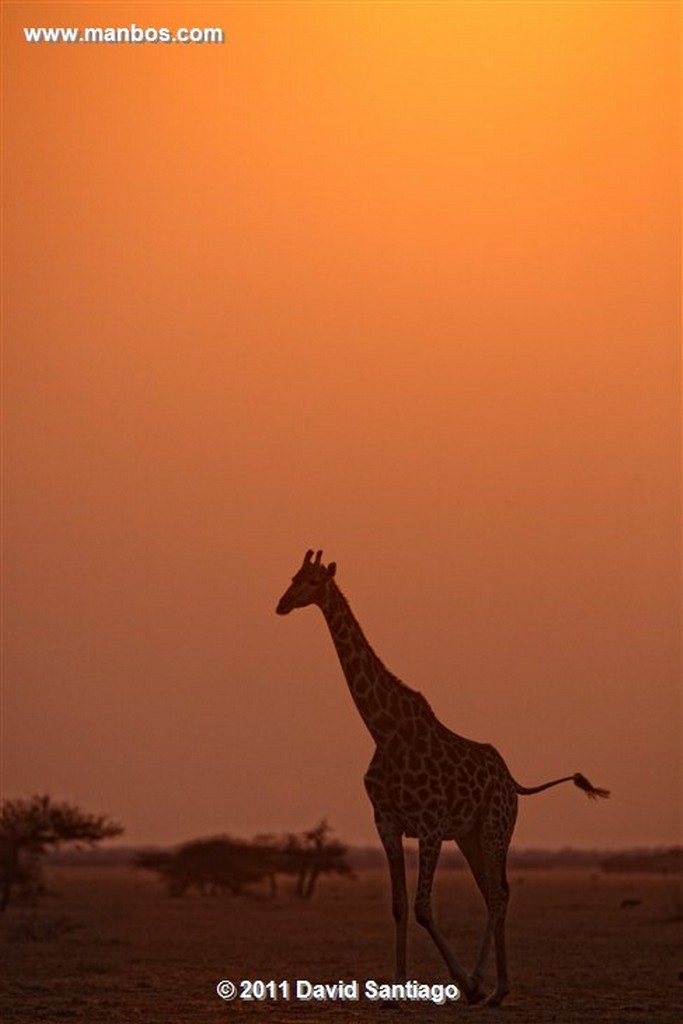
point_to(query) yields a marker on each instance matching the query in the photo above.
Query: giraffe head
(308, 584)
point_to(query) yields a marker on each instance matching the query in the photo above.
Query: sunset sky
(395, 280)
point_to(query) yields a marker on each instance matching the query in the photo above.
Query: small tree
(326, 856)
(29, 827)
(310, 854)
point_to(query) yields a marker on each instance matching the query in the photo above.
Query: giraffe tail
(591, 791)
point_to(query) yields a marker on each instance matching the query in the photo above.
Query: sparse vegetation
(224, 864)
(217, 864)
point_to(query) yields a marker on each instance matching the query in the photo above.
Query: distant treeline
(661, 860)
(655, 860)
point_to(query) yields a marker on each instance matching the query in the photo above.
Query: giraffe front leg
(392, 841)
(429, 856)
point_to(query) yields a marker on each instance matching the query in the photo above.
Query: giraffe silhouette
(425, 782)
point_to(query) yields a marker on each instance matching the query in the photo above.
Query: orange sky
(397, 280)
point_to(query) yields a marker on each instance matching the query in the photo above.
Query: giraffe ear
(331, 570)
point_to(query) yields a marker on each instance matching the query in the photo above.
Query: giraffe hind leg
(487, 862)
(497, 912)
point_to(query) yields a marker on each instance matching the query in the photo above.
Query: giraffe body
(440, 782)
(424, 782)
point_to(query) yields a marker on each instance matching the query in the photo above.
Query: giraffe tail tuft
(591, 791)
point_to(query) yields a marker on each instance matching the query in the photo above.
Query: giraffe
(425, 782)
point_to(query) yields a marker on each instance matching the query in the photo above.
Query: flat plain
(109, 945)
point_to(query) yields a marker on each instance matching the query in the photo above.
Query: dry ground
(109, 946)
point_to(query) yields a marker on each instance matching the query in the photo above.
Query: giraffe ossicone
(425, 782)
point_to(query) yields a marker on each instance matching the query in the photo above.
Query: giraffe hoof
(496, 997)
(475, 994)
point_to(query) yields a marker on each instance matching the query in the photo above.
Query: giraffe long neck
(382, 699)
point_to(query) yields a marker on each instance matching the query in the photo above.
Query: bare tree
(310, 854)
(326, 856)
